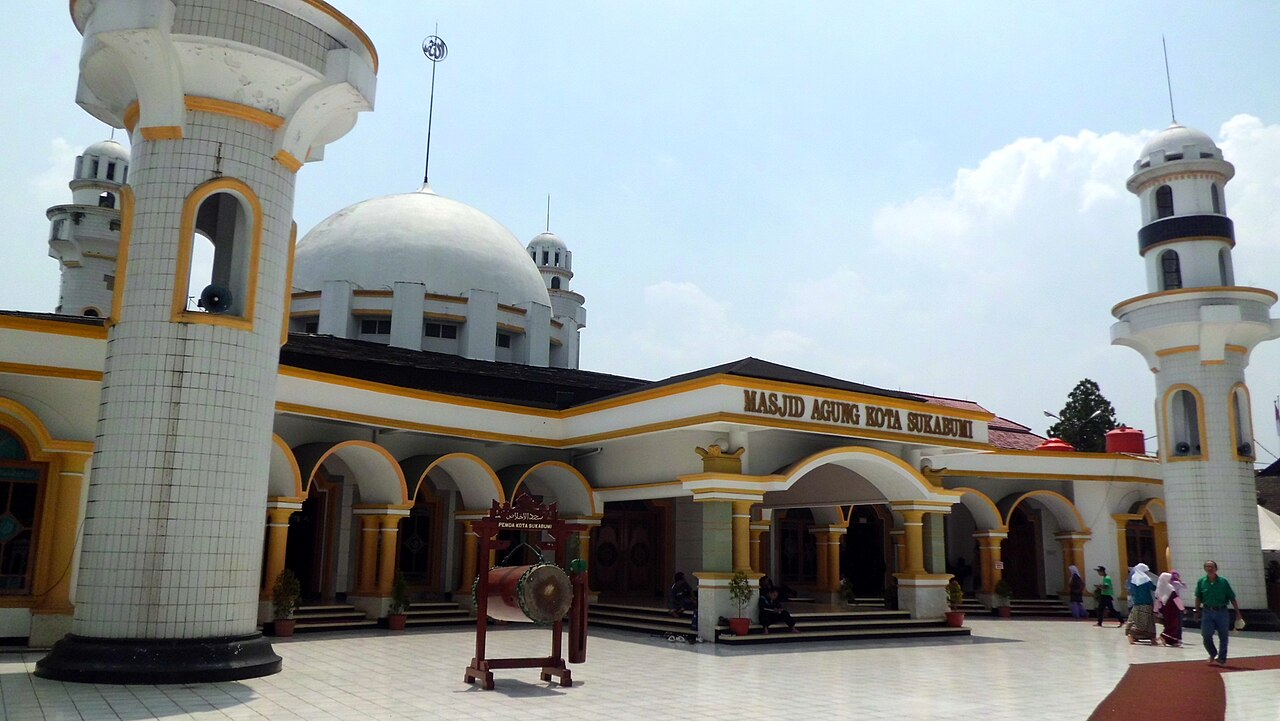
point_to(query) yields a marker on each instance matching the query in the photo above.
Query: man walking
(1213, 592)
(1104, 592)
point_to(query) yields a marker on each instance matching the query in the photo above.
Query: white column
(406, 315)
(335, 309)
(537, 335)
(480, 333)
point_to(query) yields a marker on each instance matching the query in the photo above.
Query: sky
(922, 196)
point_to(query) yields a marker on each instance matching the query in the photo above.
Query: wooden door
(627, 551)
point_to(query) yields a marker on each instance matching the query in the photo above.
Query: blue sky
(926, 196)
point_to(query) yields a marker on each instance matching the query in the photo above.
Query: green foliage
(1004, 590)
(399, 594)
(955, 595)
(1085, 419)
(285, 594)
(739, 590)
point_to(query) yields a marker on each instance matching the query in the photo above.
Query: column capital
(1001, 533)
(379, 510)
(469, 515)
(291, 503)
(74, 463)
(920, 506)
(761, 525)
(1073, 536)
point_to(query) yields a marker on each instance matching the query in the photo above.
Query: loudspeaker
(1245, 449)
(215, 299)
(1183, 448)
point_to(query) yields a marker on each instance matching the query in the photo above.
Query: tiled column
(833, 537)
(52, 615)
(758, 531)
(742, 535)
(1120, 575)
(467, 575)
(899, 538)
(387, 553)
(1072, 555)
(913, 526)
(989, 551)
(921, 593)
(1162, 545)
(277, 542)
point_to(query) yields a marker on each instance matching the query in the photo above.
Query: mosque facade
(208, 406)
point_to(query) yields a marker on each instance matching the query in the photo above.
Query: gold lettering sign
(855, 415)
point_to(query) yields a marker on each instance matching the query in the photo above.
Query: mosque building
(178, 432)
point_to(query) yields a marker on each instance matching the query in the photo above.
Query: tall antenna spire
(1168, 79)
(435, 50)
(548, 212)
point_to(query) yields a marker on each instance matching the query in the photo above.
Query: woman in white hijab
(1169, 605)
(1142, 621)
(1076, 589)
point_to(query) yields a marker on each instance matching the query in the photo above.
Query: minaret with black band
(223, 102)
(1196, 328)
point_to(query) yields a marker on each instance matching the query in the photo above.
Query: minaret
(84, 235)
(1195, 327)
(223, 103)
(555, 262)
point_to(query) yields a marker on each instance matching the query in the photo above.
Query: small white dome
(418, 237)
(547, 240)
(108, 149)
(1175, 140)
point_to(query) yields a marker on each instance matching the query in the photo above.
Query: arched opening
(107, 200)
(1140, 544)
(420, 540)
(865, 562)
(1216, 198)
(1170, 271)
(21, 491)
(312, 540)
(628, 552)
(555, 283)
(1164, 201)
(1224, 267)
(219, 254)
(1183, 414)
(797, 547)
(1022, 553)
(90, 312)
(1242, 423)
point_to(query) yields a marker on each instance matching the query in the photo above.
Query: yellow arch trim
(1233, 420)
(182, 271)
(790, 476)
(1056, 497)
(391, 461)
(1166, 403)
(985, 500)
(34, 434)
(497, 485)
(591, 494)
(299, 491)
(1145, 509)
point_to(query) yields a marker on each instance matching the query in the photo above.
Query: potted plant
(1004, 592)
(399, 603)
(740, 594)
(285, 594)
(955, 597)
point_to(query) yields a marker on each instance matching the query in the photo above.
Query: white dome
(109, 149)
(1175, 139)
(418, 237)
(547, 240)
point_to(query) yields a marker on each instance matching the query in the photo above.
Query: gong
(541, 593)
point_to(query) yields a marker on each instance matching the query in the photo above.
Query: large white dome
(418, 237)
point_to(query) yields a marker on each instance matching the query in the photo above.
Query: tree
(1085, 419)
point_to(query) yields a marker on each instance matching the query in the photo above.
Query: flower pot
(395, 621)
(1004, 611)
(955, 619)
(740, 626)
(282, 627)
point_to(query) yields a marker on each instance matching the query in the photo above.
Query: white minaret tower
(555, 262)
(223, 100)
(85, 235)
(1195, 327)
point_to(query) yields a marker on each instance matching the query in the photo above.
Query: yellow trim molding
(24, 369)
(162, 132)
(53, 327)
(287, 159)
(288, 283)
(240, 111)
(1183, 291)
(1233, 420)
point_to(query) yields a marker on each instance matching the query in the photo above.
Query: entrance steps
(437, 613)
(330, 617)
(1022, 608)
(816, 626)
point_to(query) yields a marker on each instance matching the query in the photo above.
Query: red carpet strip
(1182, 690)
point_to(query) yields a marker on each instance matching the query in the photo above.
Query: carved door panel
(626, 556)
(1021, 554)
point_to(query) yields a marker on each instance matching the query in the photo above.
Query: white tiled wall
(255, 24)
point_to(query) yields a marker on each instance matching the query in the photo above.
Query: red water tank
(1126, 440)
(1055, 444)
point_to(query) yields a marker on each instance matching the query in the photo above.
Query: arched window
(1242, 423)
(221, 223)
(1216, 197)
(555, 282)
(1164, 201)
(1170, 271)
(1184, 420)
(1224, 267)
(107, 200)
(20, 486)
(90, 313)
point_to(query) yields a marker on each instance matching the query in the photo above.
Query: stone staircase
(437, 613)
(331, 617)
(1022, 608)
(816, 626)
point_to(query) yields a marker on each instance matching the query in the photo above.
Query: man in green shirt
(1103, 593)
(1213, 592)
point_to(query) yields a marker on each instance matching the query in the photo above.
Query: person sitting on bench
(771, 612)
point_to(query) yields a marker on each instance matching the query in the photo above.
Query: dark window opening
(555, 282)
(19, 500)
(1164, 201)
(113, 224)
(504, 340)
(90, 313)
(439, 330)
(110, 281)
(93, 169)
(375, 327)
(1170, 271)
(111, 171)
(311, 326)
(546, 257)
(1216, 197)
(107, 200)
(557, 259)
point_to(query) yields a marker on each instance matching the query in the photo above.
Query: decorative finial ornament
(435, 50)
(1168, 79)
(548, 212)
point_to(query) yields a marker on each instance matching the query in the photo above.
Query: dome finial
(1168, 80)
(548, 212)
(435, 50)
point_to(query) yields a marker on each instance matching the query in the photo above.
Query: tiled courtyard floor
(1041, 670)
